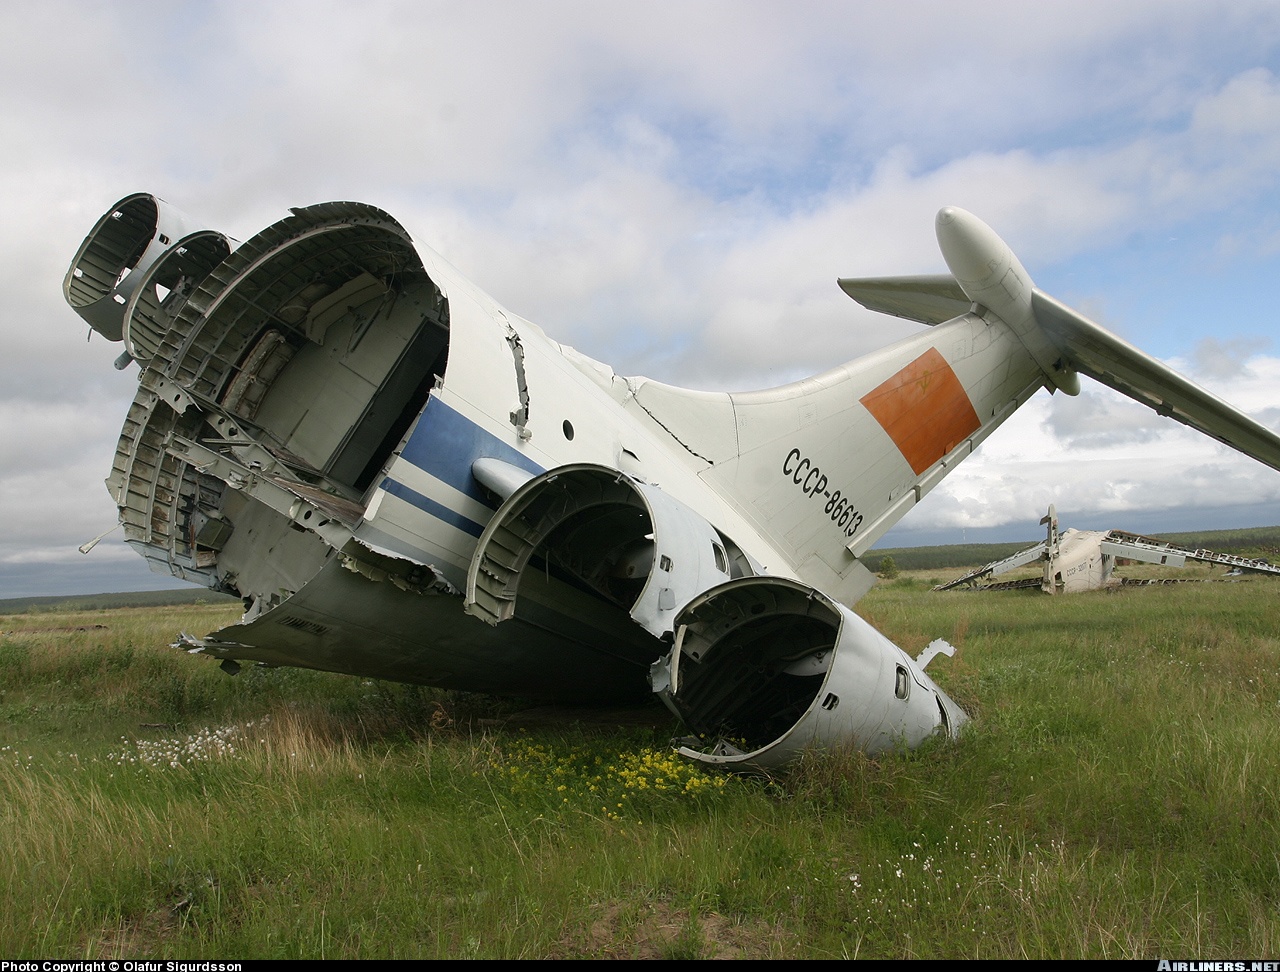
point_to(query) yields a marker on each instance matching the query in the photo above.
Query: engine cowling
(163, 289)
(111, 263)
(627, 540)
(765, 667)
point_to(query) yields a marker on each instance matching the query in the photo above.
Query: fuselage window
(902, 683)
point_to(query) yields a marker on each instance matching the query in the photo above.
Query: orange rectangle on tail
(925, 410)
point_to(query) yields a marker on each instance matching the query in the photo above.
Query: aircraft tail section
(1063, 341)
(825, 466)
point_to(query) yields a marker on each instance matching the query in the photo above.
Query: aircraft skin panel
(442, 501)
(443, 445)
(924, 409)
(702, 422)
(424, 531)
(295, 555)
(1079, 564)
(391, 535)
(344, 622)
(428, 500)
(492, 367)
(483, 375)
(640, 441)
(568, 416)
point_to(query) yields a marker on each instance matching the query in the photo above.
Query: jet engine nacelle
(116, 259)
(766, 667)
(626, 539)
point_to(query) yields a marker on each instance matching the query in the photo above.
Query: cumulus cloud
(1224, 360)
(1101, 418)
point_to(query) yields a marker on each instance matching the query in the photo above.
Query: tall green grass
(1116, 796)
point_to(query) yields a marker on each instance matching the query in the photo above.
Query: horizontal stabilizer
(1152, 550)
(929, 299)
(1096, 352)
(1020, 559)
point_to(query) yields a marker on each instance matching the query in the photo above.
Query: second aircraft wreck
(1085, 560)
(402, 479)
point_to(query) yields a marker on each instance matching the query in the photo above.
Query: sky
(673, 188)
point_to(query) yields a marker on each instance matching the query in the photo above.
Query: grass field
(1116, 796)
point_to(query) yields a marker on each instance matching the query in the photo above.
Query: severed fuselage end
(288, 434)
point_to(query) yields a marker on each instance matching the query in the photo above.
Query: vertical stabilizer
(826, 466)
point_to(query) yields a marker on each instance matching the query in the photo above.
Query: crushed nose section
(277, 380)
(111, 262)
(765, 667)
(324, 333)
(627, 541)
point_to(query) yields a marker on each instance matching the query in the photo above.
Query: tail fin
(823, 467)
(1048, 583)
(1050, 520)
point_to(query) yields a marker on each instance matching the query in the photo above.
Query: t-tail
(825, 466)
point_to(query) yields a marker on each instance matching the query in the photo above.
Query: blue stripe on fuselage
(428, 505)
(445, 444)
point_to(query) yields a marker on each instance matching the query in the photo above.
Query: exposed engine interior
(751, 661)
(624, 540)
(763, 667)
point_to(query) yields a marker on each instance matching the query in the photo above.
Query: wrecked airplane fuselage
(289, 431)
(338, 428)
(402, 479)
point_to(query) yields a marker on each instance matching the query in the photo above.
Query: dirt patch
(147, 935)
(658, 930)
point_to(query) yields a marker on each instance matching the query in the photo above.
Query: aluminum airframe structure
(1073, 561)
(403, 479)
